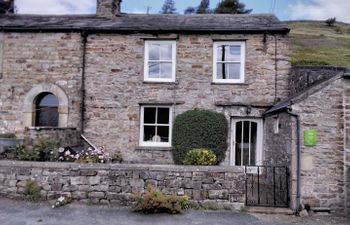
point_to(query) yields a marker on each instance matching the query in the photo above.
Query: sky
(284, 9)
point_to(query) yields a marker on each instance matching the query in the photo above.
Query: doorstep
(269, 210)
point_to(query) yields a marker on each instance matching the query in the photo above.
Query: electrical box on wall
(310, 138)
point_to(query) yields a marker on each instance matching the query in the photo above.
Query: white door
(246, 142)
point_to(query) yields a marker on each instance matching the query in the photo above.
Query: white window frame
(173, 61)
(259, 139)
(241, 61)
(150, 143)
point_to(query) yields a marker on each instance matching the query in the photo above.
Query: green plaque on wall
(310, 138)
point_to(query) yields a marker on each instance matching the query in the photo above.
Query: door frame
(259, 139)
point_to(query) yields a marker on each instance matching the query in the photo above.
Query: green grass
(315, 43)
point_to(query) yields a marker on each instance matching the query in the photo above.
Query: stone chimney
(7, 6)
(108, 8)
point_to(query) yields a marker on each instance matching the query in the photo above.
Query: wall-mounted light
(248, 110)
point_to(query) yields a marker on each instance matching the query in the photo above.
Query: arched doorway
(46, 110)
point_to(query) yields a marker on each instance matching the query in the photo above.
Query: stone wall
(278, 143)
(117, 183)
(65, 136)
(113, 100)
(115, 88)
(322, 166)
(29, 59)
(303, 77)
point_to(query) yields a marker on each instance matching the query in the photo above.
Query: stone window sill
(153, 148)
(229, 84)
(52, 128)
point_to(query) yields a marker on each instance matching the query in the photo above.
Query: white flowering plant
(89, 155)
(61, 201)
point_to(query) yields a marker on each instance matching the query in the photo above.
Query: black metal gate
(267, 186)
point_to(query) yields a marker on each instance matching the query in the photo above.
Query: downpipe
(297, 117)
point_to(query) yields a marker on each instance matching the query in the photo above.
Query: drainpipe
(82, 89)
(289, 111)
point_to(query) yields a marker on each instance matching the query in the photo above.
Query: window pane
(163, 116)
(163, 132)
(233, 70)
(48, 100)
(165, 51)
(228, 70)
(253, 144)
(150, 115)
(154, 70)
(165, 70)
(238, 143)
(153, 52)
(149, 133)
(233, 53)
(228, 53)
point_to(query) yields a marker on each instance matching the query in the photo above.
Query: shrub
(200, 156)
(47, 149)
(153, 201)
(26, 153)
(331, 21)
(32, 190)
(199, 129)
(8, 135)
(117, 157)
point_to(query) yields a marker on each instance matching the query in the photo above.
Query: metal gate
(267, 186)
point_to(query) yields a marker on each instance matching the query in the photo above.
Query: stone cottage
(121, 79)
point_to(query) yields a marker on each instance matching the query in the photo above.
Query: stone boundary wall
(303, 77)
(117, 183)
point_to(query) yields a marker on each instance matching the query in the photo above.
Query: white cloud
(321, 10)
(55, 6)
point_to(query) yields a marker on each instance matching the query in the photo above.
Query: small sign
(310, 138)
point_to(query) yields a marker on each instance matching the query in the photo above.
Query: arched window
(46, 110)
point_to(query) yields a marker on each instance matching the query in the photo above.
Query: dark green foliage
(231, 7)
(199, 129)
(190, 10)
(331, 21)
(8, 135)
(32, 190)
(303, 62)
(203, 7)
(153, 201)
(168, 7)
(26, 153)
(200, 157)
(47, 149)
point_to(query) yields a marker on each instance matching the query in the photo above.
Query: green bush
(201, 157)
(32, 190)
(47, 149)
(88, 159)
(199, 129)
(153, 201)
(26, 153)
(117, 157)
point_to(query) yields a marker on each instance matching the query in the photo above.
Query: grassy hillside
(315, 43)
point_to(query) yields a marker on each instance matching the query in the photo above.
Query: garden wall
(117, 183)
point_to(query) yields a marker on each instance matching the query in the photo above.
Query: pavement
(27, 213)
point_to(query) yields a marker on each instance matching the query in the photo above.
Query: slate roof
(208, 23)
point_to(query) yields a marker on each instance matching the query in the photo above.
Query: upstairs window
(46, 110)
(156, 126)
(160, 61)
(229, 62)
